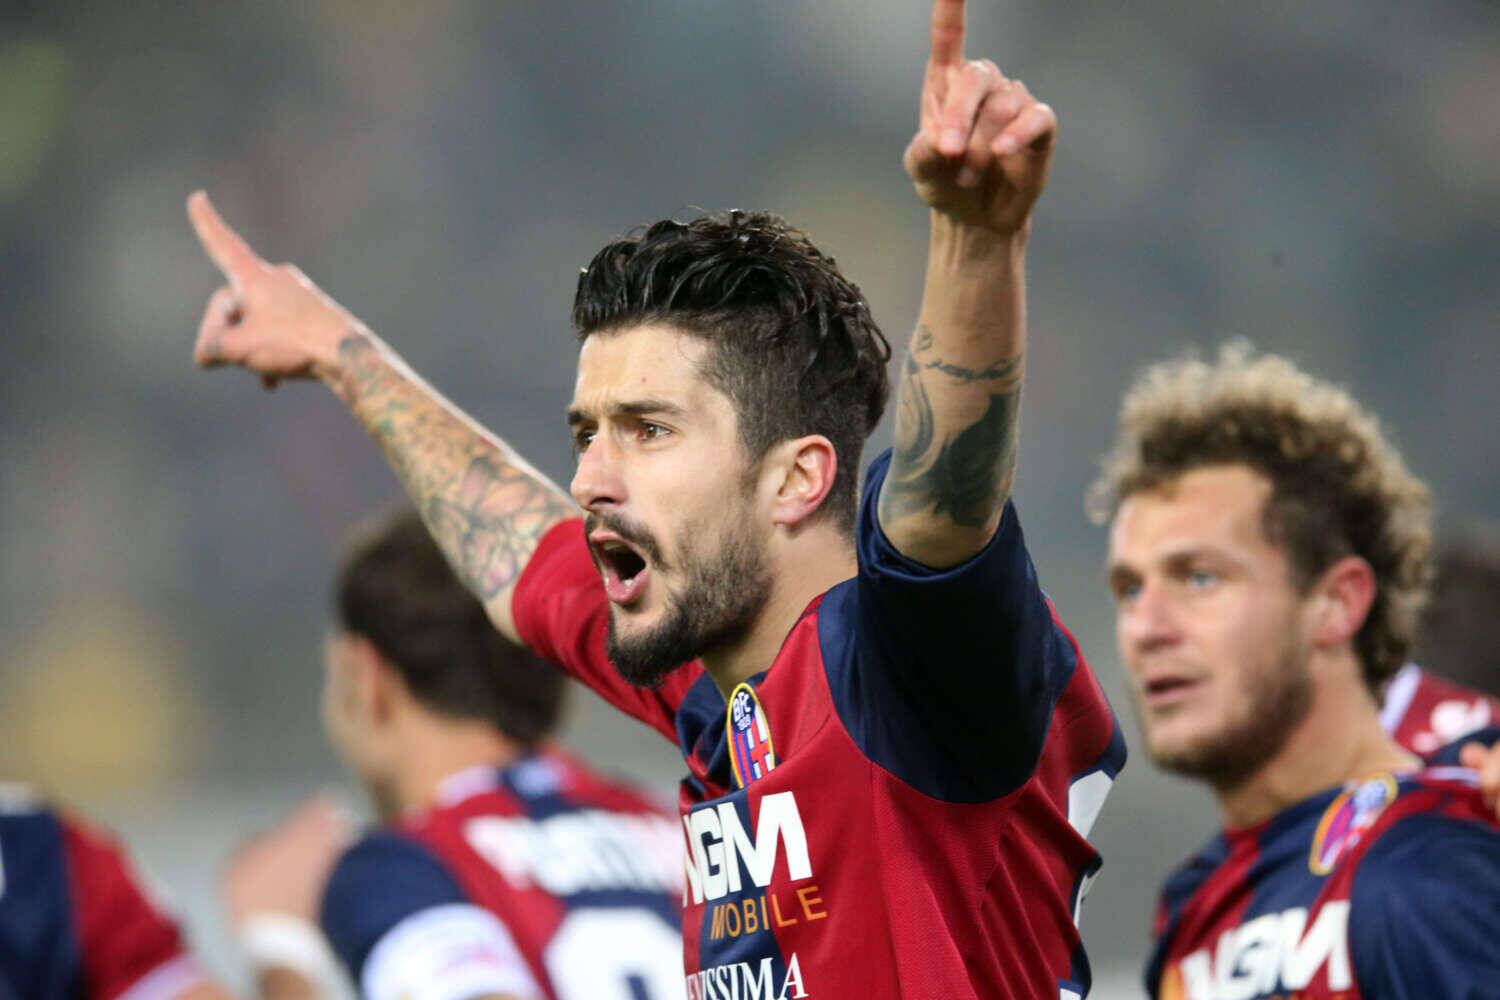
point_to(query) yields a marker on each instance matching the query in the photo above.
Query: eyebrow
(630, 408)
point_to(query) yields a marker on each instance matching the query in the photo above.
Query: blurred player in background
(1452, 694)
(76, 920)
(895, 750)
(1269, 556)
(505, 867)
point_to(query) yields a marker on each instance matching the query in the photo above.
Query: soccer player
(1268, 557)
(505, 867)
(894, 749)
(76, 920)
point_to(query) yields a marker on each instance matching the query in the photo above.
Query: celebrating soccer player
(1269, 557)
(507, 868)
(895, 751)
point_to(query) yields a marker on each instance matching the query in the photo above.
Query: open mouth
(1164, 690)
(623, 568)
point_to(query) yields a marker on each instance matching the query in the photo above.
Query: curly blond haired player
(1269, 556)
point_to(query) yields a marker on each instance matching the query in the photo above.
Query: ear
(805, 468)
(373, 681)
(1342, 601)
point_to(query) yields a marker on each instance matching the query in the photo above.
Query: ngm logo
(718, 844)
(1275, 953)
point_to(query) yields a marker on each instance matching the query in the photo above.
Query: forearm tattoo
(486, 507)
(966, 475)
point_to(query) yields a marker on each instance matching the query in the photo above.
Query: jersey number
(604, 953)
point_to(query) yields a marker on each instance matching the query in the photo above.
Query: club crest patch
(750, 752)
(1347, 818)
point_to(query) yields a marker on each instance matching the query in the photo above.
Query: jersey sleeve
(453, 952)
(969, 660)
(562, 614)
(130, 948)
(403, 928)
(1424, 911)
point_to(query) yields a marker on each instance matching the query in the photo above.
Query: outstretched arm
(486, 506)
(979, 159)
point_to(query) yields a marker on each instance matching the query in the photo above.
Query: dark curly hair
(791, 340)
(1337, 486)
(396, 589)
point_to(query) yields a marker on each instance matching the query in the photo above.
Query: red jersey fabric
(940, 751)
(75, 918)
(1424, 713)
(582, 871)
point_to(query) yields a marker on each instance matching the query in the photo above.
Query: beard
(722, 595)
(1272, 703)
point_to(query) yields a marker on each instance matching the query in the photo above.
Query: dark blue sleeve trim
(1424, 911)
(947, 678)
(378, 883)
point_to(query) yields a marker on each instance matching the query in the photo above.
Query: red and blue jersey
(542, 878)
(898, 805)
(75, 920)
(1425, 713)
(1385, 889)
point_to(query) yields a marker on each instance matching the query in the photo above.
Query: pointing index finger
(226, 247)
(947, 33)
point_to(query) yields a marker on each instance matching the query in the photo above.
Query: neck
(438, 748)
(806, 566)
(1339, 739)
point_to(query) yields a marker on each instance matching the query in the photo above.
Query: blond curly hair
(1338, 487)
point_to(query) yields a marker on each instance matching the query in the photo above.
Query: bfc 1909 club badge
(1347, 818)
(750, 752)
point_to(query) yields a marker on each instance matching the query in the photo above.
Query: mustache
(629, 530)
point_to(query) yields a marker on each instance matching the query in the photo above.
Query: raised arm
(485, 505)
(979, 159)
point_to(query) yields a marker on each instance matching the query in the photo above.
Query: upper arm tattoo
(486, 507)
(967, 474)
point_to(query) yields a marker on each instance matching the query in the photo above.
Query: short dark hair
(396, 589)
(792, 342)
(1459, 635)
(1338, 487)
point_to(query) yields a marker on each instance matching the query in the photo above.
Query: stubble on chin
(1267, 710)
(720, 601)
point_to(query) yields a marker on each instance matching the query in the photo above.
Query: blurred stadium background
(1321, 178)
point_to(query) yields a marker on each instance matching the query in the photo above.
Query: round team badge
(1347, 818)
(750, 752)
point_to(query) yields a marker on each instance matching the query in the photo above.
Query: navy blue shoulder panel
(378, 883)
(1424, 911)
(39, 954)
(945, 678)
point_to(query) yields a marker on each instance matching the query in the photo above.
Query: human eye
(649, 430)
(1124, 589)
(582, 438)
(1199, 578)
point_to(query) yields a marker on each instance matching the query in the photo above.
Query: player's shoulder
(1432, 826)
(381, 879)
(33, 822)
(555, 772)
(383, 856)
(19, 799)
(1188, 877)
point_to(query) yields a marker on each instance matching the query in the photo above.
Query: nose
(1146, 622)
(597, 482)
